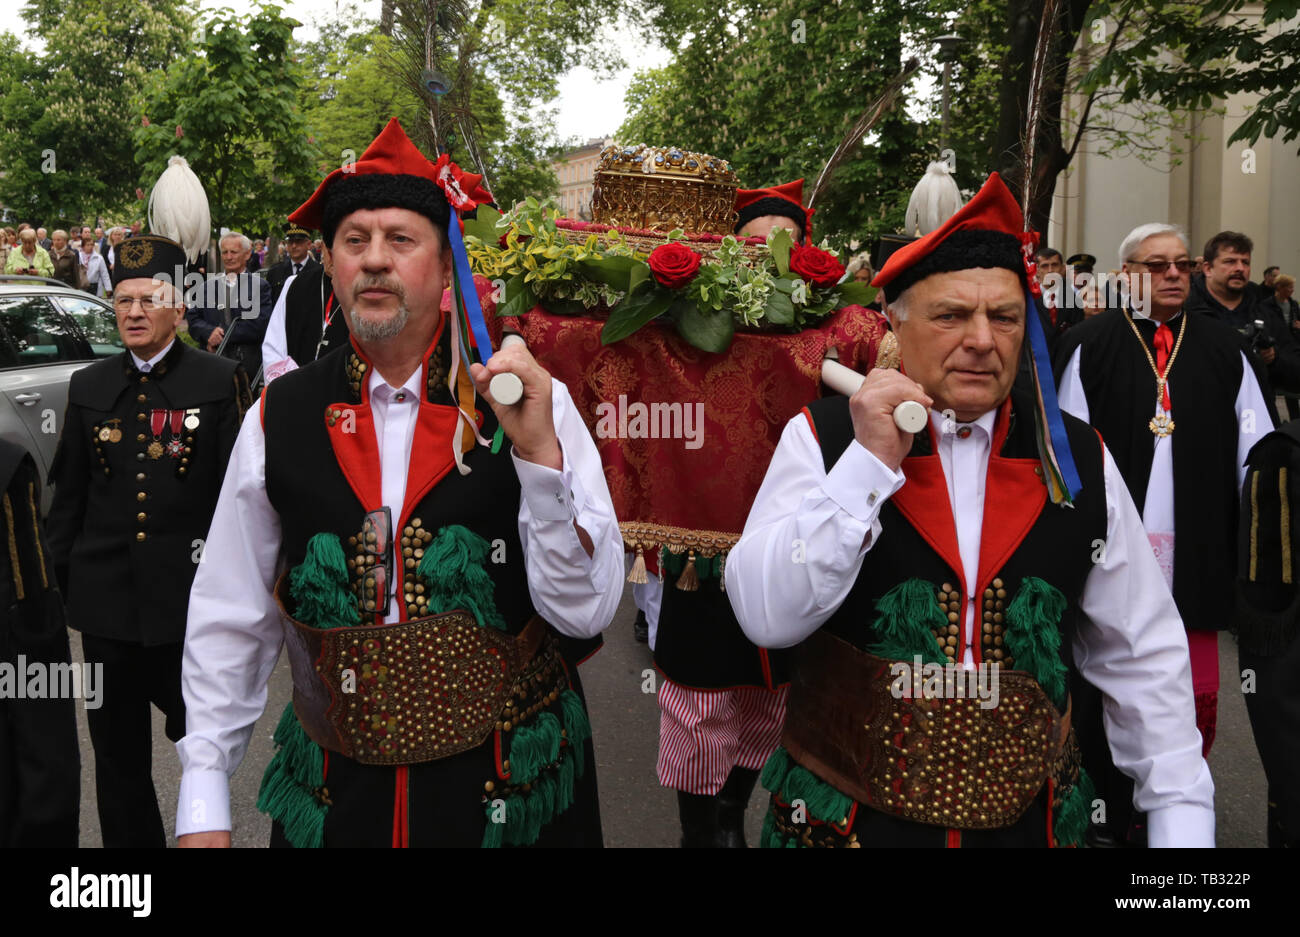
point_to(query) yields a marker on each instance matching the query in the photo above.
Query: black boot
(641, 628)
(699, 816)
(732, 801)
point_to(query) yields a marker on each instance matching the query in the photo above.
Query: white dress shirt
(1132, 646)
(1253, 423)
(233, 633)
(275, 344)
(147, 366)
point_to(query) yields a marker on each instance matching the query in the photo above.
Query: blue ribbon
(464, 285)
(1052, 410)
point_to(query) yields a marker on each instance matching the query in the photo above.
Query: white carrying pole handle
(909, 416)
(507, 388)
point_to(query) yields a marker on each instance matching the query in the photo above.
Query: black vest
(1120, 388)
(321, 478)
(323, 475)
(304, 310)
(1023, 534)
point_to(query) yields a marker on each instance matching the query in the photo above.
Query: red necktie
(1051, 311)
(1164, 344)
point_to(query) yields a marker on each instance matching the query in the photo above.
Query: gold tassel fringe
(689, 581)
(638, 573)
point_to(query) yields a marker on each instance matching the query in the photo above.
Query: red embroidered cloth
(705, 480)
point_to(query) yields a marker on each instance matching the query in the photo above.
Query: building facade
(576, 170)
(1199, 182)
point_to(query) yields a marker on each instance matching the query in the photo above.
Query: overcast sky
(587, 108)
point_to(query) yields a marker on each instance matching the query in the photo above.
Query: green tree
(1223, 47)
(1137, 67)
(231, 110)
(65, 112)
(774, 90)
(503, 59)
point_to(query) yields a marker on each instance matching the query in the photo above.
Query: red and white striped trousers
(703, 734)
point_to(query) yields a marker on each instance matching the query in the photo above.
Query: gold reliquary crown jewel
(659, 188)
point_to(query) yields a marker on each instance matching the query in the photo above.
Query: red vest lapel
(1014, 495)
(923, 500)
(351, 431)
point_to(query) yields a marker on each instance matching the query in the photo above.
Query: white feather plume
(178, 209)
(935, 199)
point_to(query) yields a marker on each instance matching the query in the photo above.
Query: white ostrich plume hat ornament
(935, 199)
(178, 209)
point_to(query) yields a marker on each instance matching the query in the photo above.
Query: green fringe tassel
(790, 781)
(532, 748)
(295, 772)
(514, 830)
(577, 729)
(1071, 820)
(319, 586)
(564, 781)
(493, 833)
(1033, 636)
(452, 569)
(706, 567)
(908, 612)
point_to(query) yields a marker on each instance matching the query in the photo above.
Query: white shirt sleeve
(805, 537)
(575, 593)
(1133, 648)
(232, 637)
(1255, 418)
(1070, 396)
(275, 345)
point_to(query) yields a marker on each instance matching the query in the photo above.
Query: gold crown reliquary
(661, 188)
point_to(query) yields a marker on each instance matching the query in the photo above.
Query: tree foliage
(1222, 47)
(737, 90)
(230, 108)
(72, 102)
(1138, 67)
(504, 57)
(774, 90)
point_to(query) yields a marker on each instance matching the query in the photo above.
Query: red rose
(816, 265)
(674, 265)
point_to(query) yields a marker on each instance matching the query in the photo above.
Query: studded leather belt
(943, 761)
(414, 691)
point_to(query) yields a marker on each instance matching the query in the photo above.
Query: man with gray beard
(370, 479)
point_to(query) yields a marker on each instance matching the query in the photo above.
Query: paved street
(636, 810)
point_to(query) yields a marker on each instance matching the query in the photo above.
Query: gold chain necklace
(1162, 424)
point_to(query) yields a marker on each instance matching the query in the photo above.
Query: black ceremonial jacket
(278, 273)
(126, 529)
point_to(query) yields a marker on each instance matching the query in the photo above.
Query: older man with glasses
(1140, 374)
(143, 451)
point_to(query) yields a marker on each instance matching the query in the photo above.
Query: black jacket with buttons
(126, 529)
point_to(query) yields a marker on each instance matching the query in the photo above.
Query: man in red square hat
(943, 586)
(761, 211)
(439, 586)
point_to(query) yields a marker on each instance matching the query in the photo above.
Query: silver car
(48, 330)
